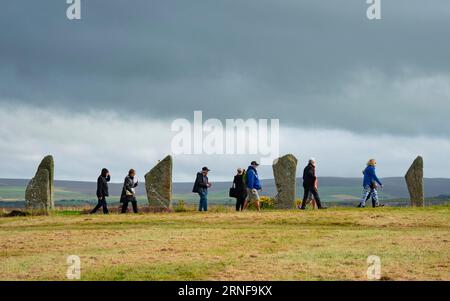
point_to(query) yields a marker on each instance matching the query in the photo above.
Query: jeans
(203, 201)
(101, 203)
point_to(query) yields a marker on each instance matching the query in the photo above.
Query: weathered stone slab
(414, 181)
(284, 171)
(40, 190)
(158, 183)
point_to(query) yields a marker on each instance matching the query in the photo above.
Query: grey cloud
(309, 63)
(28, 134)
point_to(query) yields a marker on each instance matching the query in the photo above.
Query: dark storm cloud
(310, 63)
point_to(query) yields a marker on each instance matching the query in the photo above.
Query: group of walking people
(246, 185)
(127, 196)
(245, 188)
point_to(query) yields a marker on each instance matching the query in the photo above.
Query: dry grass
(272, 245)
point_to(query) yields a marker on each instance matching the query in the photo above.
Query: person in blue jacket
(253, 185)
(370, 183)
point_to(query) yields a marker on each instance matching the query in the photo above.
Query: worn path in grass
(271, 245)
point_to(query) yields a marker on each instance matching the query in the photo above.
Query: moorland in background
(334, 191)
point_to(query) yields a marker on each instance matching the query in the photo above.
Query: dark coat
(128, 185)
(102, 186)
(200, 184)
(239, 185)
(309, 176)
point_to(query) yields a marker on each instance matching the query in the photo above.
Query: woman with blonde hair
(370, 185)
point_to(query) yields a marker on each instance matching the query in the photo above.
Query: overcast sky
(104, 90)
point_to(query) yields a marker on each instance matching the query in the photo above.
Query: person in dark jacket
(201, 186)
(128, 192)
(102, 191)
(309, 184)
(240, 189)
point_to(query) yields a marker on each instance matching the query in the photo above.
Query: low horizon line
(223, 181)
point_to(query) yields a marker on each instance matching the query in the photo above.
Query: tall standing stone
(414, 181)
(284, 171)
(40, 190)
(158, 183)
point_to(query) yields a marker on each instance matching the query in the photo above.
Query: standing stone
(158, 183)
(39, 192)
(284, 171)
(414, 181)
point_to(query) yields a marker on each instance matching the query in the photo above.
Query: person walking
(102, 191)
(311, 199)
(239, 189)
(128, 192)
(253, 185)
(201, 186)
(370, 182)
(309, 184)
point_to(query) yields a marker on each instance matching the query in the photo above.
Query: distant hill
(332, 189)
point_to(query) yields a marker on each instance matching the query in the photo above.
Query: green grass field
(413, 244)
